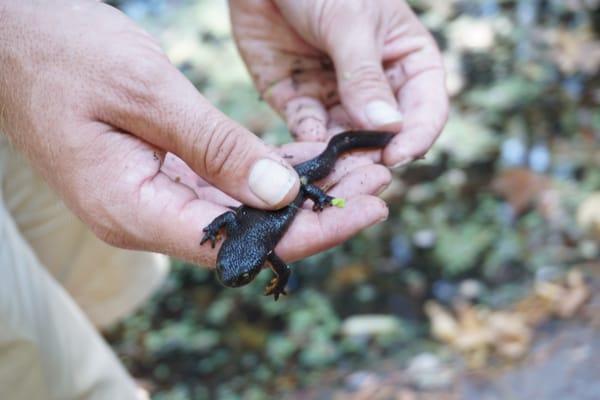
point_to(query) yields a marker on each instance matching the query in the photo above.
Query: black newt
(252, 234)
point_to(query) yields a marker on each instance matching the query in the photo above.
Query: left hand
(331, 65)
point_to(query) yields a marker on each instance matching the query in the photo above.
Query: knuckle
(140, 79)
(145, 72)
(330, 19)
(365, 77)
(222, 149)
(144, 79)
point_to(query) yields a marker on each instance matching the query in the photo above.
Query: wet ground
(563, 364)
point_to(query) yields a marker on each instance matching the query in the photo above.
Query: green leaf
(338, 202)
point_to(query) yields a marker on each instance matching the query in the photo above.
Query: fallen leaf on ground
(521, 188)
(479, 332)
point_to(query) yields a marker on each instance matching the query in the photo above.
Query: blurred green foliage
(524, 81)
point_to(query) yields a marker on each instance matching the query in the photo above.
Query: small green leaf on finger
(338, 202)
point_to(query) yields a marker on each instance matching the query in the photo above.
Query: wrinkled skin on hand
(319, 63)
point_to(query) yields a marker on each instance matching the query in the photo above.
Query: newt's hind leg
(282, 274)
(211, 232)
(318, 196)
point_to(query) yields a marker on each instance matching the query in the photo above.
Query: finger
(319, 84)
(351, 35)
(339, 120)
(307, 119)
(346, 165)
(314, 232)
(370, 179)
(362, 84)
(424, 102)
(164, 108)
(283, 66)
(414, 69)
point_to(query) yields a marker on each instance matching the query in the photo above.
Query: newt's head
(237, 271)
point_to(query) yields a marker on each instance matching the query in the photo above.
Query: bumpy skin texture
(252, 234)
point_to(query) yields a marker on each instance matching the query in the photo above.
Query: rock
(456, 177)
(588, 214)
(589, 249)
(468, 33)
(371, 325)
(470, 289)
(455, 80)
(424, 238)
(539, 158)
(427, 372)
(513, 152)
(360, 380)
(467, 129)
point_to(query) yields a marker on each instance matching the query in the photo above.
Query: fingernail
(271, 181)
(381, 114)
(381, 189)
(386, 216)
(403, 162)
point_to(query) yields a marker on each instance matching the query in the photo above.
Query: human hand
(330, 65)
(356, 178)
(96, 107)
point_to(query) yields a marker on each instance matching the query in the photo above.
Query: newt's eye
(243, 279)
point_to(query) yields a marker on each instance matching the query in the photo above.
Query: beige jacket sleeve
(56, 282)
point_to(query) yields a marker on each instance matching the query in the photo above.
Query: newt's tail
(320, 166)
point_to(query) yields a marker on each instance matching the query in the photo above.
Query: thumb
(363, 86)
(236, 161)
(170, 113)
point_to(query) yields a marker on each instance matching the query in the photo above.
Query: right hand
(333, 65)
(96, 106)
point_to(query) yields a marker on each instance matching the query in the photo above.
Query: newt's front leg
(227, 220)
(318, 196)
(282, 274)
